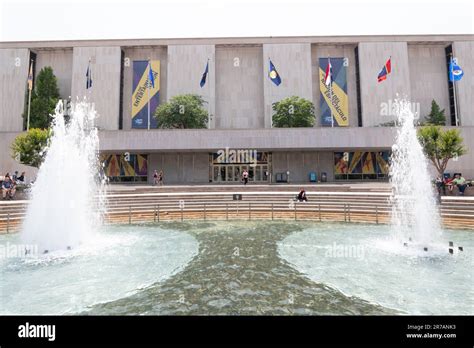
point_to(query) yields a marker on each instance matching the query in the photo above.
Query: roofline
(337, 39)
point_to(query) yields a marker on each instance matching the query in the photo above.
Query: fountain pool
(241, 267)
(363, 261)
(115, 263)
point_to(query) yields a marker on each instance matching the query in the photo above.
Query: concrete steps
(363, 206)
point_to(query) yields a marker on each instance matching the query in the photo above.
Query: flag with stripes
(387, 69)
(328, 76)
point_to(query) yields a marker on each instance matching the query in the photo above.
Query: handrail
(320, 209)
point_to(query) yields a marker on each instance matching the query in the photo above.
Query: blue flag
(89, 76)
(455, 71)
(151, 78)
(204, 76)
(273, 74)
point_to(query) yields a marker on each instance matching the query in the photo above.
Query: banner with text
(142, 93)
(339, 107)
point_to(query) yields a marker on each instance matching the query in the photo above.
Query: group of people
(158, 178)
(450, 183)
(9, 183)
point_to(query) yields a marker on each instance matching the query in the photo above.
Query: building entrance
(259, 170)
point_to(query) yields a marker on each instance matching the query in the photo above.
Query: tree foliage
(440, 146)
(182, 111)
(29, 147)
(436, 116)
(293, 112)
(44, 98)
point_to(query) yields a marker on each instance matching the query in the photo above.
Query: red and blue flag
(387, 69)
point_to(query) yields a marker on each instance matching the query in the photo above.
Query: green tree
(440, 146)
(29, 147)
(293, 112)
(44, 98)
(436, 116)
(182, 111)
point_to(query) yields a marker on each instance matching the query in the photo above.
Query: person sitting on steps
(460, 182)
(8, 188)
(301, 197)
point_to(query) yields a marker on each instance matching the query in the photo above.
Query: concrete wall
(464, 52)
(293, 63)
(14, 65)
(429, 77)
(304, 139)
(337, 51)
(239, 87)
(61, 62)
(185, 167)
(372, 57)
(145, 53)
(105, 91)
(301, 163)
(186, 64)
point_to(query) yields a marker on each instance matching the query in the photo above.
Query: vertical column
(464, 52)
(372, 57)
(13, 77)
(186, 64)
(105, 91)
(293, 63)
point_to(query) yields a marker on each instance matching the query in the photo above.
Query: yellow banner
(340, 100)
(140, 94)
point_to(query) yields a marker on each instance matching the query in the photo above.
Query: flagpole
(209, 104)
(148, 89)
(271, 95)
(29, 107)
(29, 96)
(330, 92)
(89, 83)
(454, 90)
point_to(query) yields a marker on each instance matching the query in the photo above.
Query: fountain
(415, 217)
(63, 211)
(68, 259)
(388, 270)
(181, 268)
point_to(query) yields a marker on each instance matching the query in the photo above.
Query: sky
(27, 20)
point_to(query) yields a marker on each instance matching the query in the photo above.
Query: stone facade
(240, 95)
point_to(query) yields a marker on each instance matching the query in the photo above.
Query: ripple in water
(118, 262)
(362, 261)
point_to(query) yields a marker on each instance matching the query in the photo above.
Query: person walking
(245, 176)
(160, 178)
(155, 178)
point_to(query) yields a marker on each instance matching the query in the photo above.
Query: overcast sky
(22, 20)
